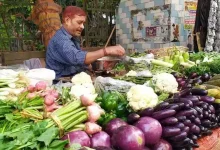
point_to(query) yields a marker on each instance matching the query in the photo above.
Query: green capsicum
(98, 99)
(110, 102)
(109, 117)
(104, 119)
(121, 110)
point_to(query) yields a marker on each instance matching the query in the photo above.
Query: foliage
(14, 29)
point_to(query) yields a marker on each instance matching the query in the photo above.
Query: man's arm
(108, 51)
(93, 56)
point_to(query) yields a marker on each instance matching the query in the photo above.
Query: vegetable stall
(157, 103)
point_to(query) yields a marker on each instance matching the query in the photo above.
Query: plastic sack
(41, 74)
(110, 84)
(17, 67)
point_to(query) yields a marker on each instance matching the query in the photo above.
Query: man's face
(75, 25)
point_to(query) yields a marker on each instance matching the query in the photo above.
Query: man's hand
(115, 50)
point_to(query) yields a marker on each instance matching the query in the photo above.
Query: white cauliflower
(164, 82)
(78, 90)
(141, 97)
(81, 78)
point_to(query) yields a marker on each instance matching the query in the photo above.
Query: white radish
(94, 113)
(92, 128)
(100, 109)
(88, 99)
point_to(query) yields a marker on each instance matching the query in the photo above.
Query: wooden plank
(11, 58)
(12, 62)
(23, 55)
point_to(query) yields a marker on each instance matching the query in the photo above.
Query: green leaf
(25, 137)
(39, 128)
(49, 135)
(33, 145)
(10, 117)
(58, 145)
(7, 145)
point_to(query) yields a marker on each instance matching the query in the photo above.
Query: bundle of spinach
(197, 56)
(30, 136)
(212, 67)
(203, 55)
(215, 66)
(199, 69)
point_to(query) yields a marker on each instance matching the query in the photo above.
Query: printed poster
(151, 31)
(190, 14)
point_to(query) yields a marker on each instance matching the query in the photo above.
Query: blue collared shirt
(64, 54)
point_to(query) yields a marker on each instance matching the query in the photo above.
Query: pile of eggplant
(185, 117)
(190, 81)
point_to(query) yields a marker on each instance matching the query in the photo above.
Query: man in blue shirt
(64, 54)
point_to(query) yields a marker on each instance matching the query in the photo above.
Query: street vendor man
(64, 54)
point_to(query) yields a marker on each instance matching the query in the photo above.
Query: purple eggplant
(146, 112)
(212, 109)
(181, 118)
(188, 123)
(161, 106)
(185, 129)
(170, 131)
(132, 118)
(193, 98)
(176, 106)
(193, 75)
(200, 92)
(186, 112)
(179, 137)
(169, 121)
(195, 129)
(179, 125)
(185, 92)
(207, 99)
(186, 101)
(197, 121)
(205, 77)
(163, 114)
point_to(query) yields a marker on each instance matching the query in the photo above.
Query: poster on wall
(190, 14)
(151, 24)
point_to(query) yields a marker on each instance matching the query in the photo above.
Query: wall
(147, 24)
